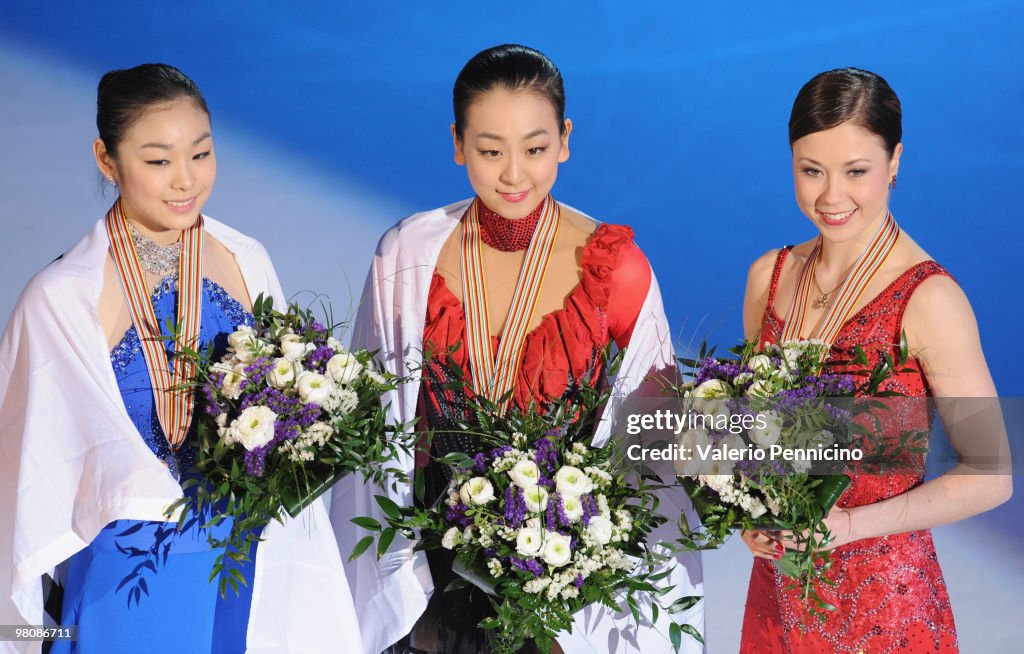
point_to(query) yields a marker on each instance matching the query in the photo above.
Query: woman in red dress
(511, 134)
(845, 133)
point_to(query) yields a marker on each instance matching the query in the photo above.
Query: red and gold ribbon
(863, 271)
(174, 404)
(493, 377)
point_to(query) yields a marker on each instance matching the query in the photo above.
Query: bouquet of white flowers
(776, 435)
(541, 521)
(286, 413)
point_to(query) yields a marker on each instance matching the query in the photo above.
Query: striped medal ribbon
(860, 276)
(493, 377)
(174, 404)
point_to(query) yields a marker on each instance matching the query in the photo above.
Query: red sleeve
(630, 282)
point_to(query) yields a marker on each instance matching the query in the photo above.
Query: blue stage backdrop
(332, 122)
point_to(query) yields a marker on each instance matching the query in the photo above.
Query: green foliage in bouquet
(542, 522)
(285, 414)
(803, 407)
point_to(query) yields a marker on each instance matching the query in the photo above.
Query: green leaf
(367, 523)
(388, 506)
(386, 537)
(360, 548)
(675, 634)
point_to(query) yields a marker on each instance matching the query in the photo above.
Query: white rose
(692, 442)
(600, 529)
(529, 541)
(241, 338)
(732, 443)
(314, 388)
(344, 368)
(712, 388)
(282, 375)
(825, 437)
(761, 364)
(536, 498)
(759, 388)
(572, 507)
(293, 348)
(557, 550)
(769, 435)
(801, 465)
(254, 428)
(570, 480)
(476, 491)
(525, 473)
(451, 538)
(232, 384)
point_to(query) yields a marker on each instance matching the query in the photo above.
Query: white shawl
(71, 461)
(390, 594)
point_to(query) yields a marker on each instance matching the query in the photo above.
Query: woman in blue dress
(93, 467)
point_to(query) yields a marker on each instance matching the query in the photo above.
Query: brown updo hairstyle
(842, 95)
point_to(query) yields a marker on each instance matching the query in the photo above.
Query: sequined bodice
(221, 314)
(889, 591)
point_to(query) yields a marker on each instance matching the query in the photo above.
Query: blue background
(332, 122)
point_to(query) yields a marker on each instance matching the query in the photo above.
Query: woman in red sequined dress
(510, 133)
(845, 134)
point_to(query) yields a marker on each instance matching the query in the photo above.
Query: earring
(892, 183)
(110, 178)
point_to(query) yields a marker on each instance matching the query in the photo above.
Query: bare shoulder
(576, 225)
(936, 299)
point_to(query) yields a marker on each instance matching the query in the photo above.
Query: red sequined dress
(558, 353)
(890, 593)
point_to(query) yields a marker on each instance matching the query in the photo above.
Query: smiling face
(164, 169)
(511, 146)
(842, 178)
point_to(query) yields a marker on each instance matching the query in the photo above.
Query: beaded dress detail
(890, 593)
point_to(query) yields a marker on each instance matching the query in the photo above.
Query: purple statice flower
(457, 514)
(559, 504)
(551, 515)
(532, 566)
(579, 582)
(308, 414)
(589, 508)
(318, 328)
(498, 451)
(481, 462)
(254, 460)
(256, 373)
(490, 552)
(210, 389)
(711, 368)
(586, 510)
(285, 429)
(271, 398)
(318, 358)
(515, 507)
(546, 456)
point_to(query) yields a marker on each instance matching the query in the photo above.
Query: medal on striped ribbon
(494, 376)
(849, 293)
(174, 403)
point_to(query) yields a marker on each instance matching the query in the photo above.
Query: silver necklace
(156, 259)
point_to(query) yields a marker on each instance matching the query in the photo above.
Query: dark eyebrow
(164, 146)
(848, 163)
(537, 132)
